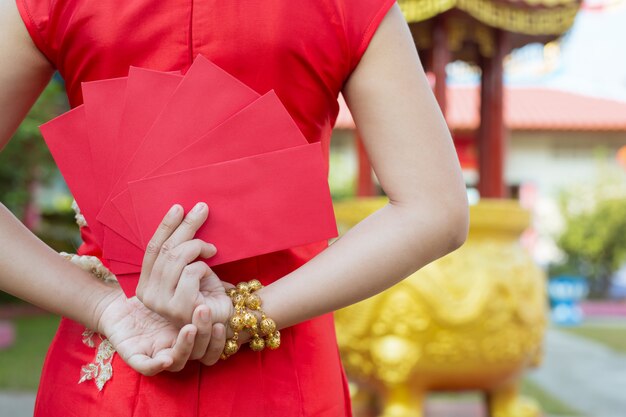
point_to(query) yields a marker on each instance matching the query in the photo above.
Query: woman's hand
(181, 290)
(147, 342)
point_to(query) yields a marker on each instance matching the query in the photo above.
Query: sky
(593, 54)
(590, 59)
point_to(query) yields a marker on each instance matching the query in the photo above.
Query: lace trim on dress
(100, 370)
(80, 219)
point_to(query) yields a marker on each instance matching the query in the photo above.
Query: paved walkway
(588, 376)
(16, 404)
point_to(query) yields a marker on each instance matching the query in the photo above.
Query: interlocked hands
(181, 307)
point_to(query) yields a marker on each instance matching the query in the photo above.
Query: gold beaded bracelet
(263, 332)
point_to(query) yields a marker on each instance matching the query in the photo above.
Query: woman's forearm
(378, 252)
(29, 269)
(411, 151)
(32, 271)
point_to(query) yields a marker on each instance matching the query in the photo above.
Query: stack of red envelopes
(142, 143)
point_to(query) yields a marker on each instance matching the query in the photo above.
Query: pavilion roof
(529, 17)
(528, 109)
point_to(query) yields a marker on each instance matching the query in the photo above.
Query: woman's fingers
(170, 250)
(189, 283)
(171, 260)
(190, 225)
(148, 366)
(180, 257)
(203, 321)
(179, 307)
(182, 348)
(184, 231)
(169, 223)
(216, 345)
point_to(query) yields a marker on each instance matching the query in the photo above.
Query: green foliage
(594, 236)
(26, 161)
(598, 237)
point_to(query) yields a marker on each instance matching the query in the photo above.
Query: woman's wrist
(101, 303)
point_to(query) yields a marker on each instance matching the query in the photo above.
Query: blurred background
(528, 318)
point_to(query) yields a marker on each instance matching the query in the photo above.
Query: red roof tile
(529, 109)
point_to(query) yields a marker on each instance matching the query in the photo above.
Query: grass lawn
(611, 336)
(20, 365)
(548, 403)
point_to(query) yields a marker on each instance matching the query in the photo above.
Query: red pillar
(440, 58)
(492, 135)
(365, 184)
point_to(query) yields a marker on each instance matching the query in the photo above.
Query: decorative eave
(526, 17)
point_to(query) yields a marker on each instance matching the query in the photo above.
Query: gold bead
(243, 287)
(268, 326)
(257, 344)
(249, 319)
(238, 299)
(255, 285)
(231, 292)
(273, 341)
(231, 347)
(253, 302)
(236, 323)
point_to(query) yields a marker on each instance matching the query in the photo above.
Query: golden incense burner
(473, 320)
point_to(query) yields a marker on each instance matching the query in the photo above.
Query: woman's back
(305, 51)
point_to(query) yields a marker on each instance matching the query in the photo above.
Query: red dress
(305, 51)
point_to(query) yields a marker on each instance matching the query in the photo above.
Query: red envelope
(206, 96)
(147, 93)
(121, 268)
(104, 105)
(128, 281)
(103, 101)
(116, 248)
(263, 126)
(258, 204)
(66, 137)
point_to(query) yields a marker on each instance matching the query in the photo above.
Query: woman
(167, 344)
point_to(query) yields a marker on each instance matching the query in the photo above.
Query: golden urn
(472, 320)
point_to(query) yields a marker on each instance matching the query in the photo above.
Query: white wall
(555, 160)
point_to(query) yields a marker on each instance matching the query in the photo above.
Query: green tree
(26, 163)
(594, 236)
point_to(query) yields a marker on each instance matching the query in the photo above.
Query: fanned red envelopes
(142, 143)
(257, 204)
(206, 96)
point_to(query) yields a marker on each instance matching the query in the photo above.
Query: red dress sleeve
(36, 17)
(361, 19)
